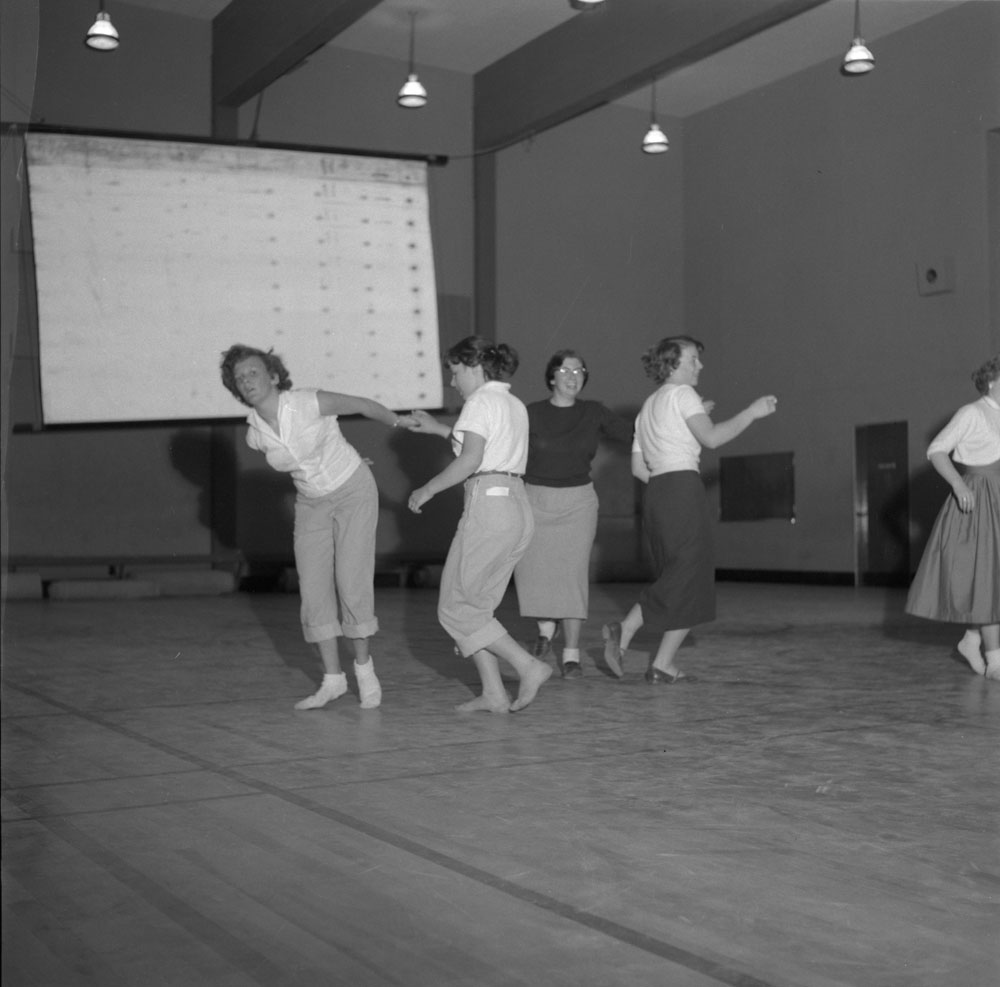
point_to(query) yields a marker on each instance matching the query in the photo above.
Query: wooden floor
(820, 808)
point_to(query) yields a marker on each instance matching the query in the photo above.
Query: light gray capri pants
(492, 535)
(335, 559)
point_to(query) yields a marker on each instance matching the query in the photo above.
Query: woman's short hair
(556, 361)
(237, 354)
(661, 360)
(986, 374)
(498, 360)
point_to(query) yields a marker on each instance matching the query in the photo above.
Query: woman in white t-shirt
(670, 431)
(958, 579)
(490, 442)
(336, 508)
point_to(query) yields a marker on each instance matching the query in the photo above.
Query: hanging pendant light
(655, 141)
(585, 4)
(412, 95)
(858, 60)
(102, 35)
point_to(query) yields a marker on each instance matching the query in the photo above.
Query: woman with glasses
(336, 508)
(490, 442)
(553, 577)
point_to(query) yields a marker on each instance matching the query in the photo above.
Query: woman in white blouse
(490, 442)
(670, 431)
(958, 579)
(336, 508)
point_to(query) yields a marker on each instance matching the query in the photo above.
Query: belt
(987, 469)
(517, 476)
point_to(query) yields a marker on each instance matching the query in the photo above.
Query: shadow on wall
(249, 511)
(191, 455)
(424, 537)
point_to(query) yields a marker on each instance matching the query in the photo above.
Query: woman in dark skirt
(670, 432)
(958, 579)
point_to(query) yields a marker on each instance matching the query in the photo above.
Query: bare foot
(486, 704)
(532, 680)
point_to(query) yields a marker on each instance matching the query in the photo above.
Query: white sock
(547, 628)
(571, 655)
(369, 689)
(331, 687)
(968, 648)
(993, 665)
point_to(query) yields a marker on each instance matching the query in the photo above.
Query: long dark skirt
(958, 579)
(678, 528)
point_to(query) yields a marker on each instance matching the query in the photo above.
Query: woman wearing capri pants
(336, 508)
(490, 442)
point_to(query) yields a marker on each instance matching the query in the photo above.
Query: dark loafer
(656, 676)
(613, 653)
(570, 669)
(542, 646)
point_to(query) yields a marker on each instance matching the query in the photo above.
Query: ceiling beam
(603, 55)
(255, 42)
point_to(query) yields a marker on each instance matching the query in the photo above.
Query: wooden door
(881, 505)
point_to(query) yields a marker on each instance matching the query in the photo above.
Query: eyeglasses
(571, 371)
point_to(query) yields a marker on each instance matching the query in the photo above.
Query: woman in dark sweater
(553, 576)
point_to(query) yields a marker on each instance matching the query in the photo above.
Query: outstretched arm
(712, 435)
(428, 424)
(332, 403)
(464, 465)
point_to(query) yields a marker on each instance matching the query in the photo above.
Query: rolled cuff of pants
(314, 633)
(482, 638)
(323, 632)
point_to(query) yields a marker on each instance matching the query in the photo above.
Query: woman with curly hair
(490, 442)
(670, 431)
(336, 508)
(958, 579)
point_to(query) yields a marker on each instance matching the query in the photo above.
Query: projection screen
(154, 256)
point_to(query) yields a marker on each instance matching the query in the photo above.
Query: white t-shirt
(972, 436)
(492, 412)
(661, 431)
(308, 445)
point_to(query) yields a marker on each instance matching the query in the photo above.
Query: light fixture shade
(655, 141)
(413, 94)
(585, 4)
(102, 35)
(858, 59)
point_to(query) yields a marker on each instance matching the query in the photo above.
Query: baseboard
(785, 576)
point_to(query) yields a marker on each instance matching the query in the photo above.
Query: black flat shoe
(571, 669)
(656, 676)
(542, 647)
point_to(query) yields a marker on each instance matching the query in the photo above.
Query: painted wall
(92, 492)
(810, 205)
(783, 229)
(805, 208)
(189, 491)
(589, 256)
